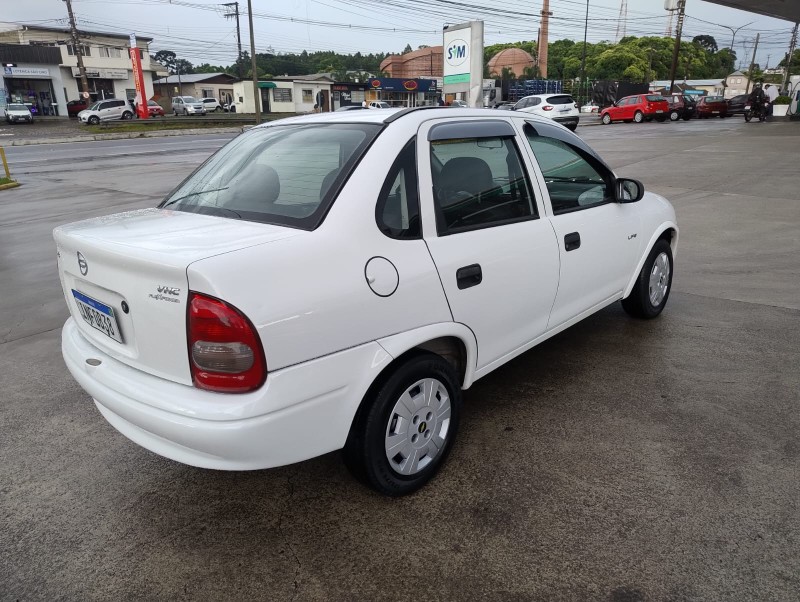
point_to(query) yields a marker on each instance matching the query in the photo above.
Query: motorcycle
(758, 109)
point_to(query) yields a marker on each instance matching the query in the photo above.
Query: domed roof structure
(515, 59)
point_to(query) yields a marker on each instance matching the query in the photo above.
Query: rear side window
(287, 175)
(477, 183)
(397, 210)
(654, 97)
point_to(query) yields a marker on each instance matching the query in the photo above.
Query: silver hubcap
(418, 426)
(659, 279)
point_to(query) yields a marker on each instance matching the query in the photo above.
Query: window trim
(383, 197)
(441, 228)
(587, 154)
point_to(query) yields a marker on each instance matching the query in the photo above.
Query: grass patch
(5, 181)
(141, 127)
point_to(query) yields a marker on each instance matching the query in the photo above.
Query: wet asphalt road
(620, 460)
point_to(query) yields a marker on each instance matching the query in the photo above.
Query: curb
(126, 136)
(9, 185)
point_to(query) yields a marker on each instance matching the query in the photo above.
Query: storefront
(403, 92)
(106, 83)
(347, 94)
(37, 87)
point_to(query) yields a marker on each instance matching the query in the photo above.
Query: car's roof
(546, 95)
(413, 117)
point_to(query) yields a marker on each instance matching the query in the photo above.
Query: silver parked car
(106, 110)
(187, 105)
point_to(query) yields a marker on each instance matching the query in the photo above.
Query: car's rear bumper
(569, 120)
(301, 412)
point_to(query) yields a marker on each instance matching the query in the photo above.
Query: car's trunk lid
(124, 279)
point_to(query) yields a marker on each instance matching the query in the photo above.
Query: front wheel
(403, 433)
(606, 119)
(674, 115)
(653, 285)
(127, 115)
(748, 116)
(638, 117)
(93, 120)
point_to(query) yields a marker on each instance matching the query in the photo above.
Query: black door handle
(468, 276)
(572, 241)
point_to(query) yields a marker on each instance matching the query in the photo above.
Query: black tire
(638, 116)
(127, 115)
(233, 109)
(218, 109)
(687, 117)
(748, 115)
(605, 119)
(365, 450)
(93, 120)
(661, 119)
(639, 304)
(571, 126)
(674, 115)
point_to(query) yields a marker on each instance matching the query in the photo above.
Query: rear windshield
(713, 98)
(285, 175)
(563, 99)
(654, 97)
(17, 108)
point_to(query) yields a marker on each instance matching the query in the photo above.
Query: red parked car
(712, 106)
(642, 107)
(76, 106)
(155, 109)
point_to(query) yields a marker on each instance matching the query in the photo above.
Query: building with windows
(105, 57)
(287, 94)
(736, 83)
(199, 85)
(32, 76)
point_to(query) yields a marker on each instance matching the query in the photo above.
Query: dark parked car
(681, 106)
(737, 104)
(712, 106)
(76, 106)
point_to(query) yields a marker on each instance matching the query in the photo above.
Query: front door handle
(572, 241)
(468, 276)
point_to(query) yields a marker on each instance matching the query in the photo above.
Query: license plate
(659, 111)
(715, 112)
(98, 315)
(747, 108)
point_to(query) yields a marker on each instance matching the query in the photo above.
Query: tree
(706, 42)
(183, 66)
(166, 58)
(407, 49)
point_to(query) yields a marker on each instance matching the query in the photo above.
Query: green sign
(462, 78)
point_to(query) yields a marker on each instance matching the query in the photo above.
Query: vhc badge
(82, 265)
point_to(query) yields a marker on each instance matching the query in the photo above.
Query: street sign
(85, 94)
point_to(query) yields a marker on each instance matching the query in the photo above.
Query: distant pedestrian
(46, 106)
(771, 93)
(364, 104)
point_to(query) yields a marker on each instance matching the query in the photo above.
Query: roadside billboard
(463, 61)
(138, 80)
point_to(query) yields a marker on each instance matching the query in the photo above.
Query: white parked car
(335, 280)
(561, 108)
(18, 113)
(187, 105)
(378, 104)
(590, 108)
(106, 110)
(211, 104)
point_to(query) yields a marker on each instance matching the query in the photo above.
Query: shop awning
(267, 85)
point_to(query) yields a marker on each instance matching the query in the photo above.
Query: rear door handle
(468, 276)
(572, 241)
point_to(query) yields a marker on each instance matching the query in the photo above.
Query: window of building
(477, 183)
(207, 93)
(282, 94)
(357, 96)
(108, 52)
(571, 179)
(85, 50)
(397, 211)
(308, 96)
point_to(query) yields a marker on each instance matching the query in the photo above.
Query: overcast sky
(198, 30)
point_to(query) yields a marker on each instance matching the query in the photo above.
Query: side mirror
(629, 190)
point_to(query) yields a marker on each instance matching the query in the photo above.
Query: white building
(737, 84)
(105, 56)
(286, 94)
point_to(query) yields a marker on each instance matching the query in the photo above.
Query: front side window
(397, 210)
(478, 182)
(287, 175)
(572, 180)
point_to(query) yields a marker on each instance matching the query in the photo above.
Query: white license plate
(659, 111)
(715, 112)
(98, 315)
(747, 108)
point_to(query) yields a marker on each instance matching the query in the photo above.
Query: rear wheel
(606, 119)
(674, 115)
(661, 119)
(127, 115)
(403, 433)
(653, 285)
(571, 126)
(638, 116)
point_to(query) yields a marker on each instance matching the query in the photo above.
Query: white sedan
(335, 280)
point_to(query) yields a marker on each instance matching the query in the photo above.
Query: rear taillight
(547, 108)
(576, 104)
(225, 353)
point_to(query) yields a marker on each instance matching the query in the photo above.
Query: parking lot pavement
(620, 460)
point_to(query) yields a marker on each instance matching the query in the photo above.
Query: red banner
(138, 79)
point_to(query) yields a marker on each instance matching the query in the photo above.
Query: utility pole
(78, 50)
(232, 15)
(256, 97)
(752, 65)
(543, 33)
(676, 51)
(583, 54)
(792, 46)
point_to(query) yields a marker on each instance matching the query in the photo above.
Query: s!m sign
(457, 53)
